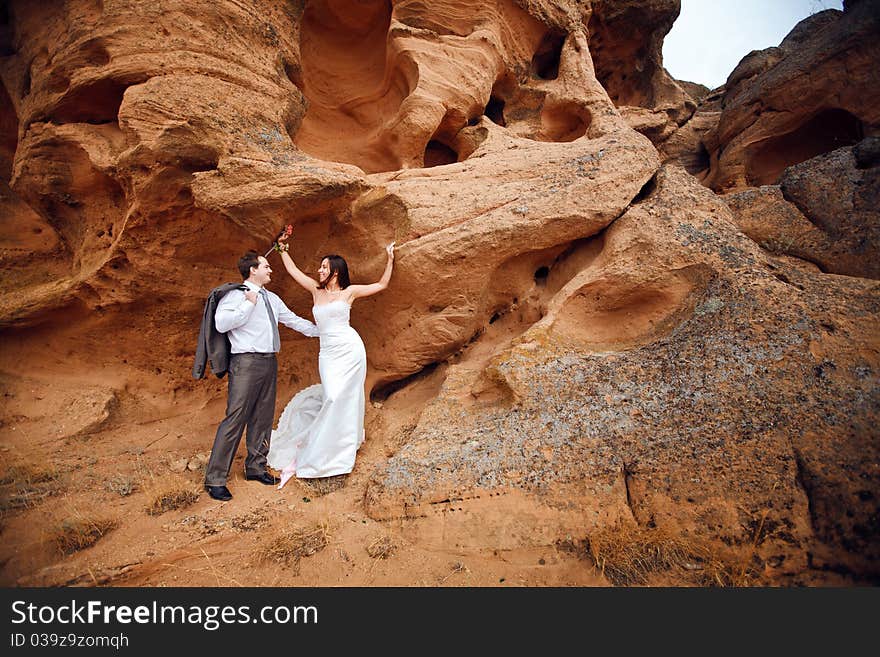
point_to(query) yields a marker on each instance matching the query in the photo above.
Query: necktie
(276, 339)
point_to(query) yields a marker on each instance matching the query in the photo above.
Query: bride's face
(324, 271)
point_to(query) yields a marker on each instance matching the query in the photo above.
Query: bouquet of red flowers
(286, 232)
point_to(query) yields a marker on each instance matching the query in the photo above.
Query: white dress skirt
(322, 427)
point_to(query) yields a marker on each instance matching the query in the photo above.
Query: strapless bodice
(332, 317)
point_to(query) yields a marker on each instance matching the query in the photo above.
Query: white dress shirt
(248, 324)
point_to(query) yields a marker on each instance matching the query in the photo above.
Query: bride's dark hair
(339, 267)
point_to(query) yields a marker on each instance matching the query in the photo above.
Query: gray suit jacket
(213, 346)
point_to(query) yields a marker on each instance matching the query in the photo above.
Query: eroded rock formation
(607, 409)
(626, 40)
(781, 139)
(825, 211)
(573, 332)
(815, 92)
(686, 146)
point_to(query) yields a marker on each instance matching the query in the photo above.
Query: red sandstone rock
(686, 146)
(677, 378)
(778, 226)
(626, 41)
(825, 211)
(818, 91)
(558, 333)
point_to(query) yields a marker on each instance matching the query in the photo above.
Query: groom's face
(262, 273)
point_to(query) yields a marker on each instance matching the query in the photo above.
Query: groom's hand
(251, 296)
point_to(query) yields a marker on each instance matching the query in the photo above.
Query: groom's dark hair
(339, 267)
(248, 260)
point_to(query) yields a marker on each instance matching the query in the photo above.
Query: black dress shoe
(263, 478)
(219, 493)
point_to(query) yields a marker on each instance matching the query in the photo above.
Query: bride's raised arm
(358, 291)
(306, 281)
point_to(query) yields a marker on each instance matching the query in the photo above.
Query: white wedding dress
(322, 427)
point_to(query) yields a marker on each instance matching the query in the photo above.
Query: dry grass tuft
(121, 485)
(78, 533)
(250, 521)
(28, 473)
(629, 556)
(457, 567)
(170, 500)
(324, 485)
(169, 493)
(290, 546)
(737, 572)
(24, 484)
(382, 547)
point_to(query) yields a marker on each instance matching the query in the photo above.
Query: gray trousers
(251, 403)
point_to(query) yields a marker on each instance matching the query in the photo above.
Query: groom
(250, 317)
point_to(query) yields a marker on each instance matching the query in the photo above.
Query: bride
(322, 427)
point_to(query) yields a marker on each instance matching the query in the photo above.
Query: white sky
(710, 37)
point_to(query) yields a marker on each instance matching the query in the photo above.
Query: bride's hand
(390, 250)
(286, 232)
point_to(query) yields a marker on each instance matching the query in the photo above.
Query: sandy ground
(103, 483)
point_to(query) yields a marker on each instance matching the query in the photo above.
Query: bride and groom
(322, 427)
